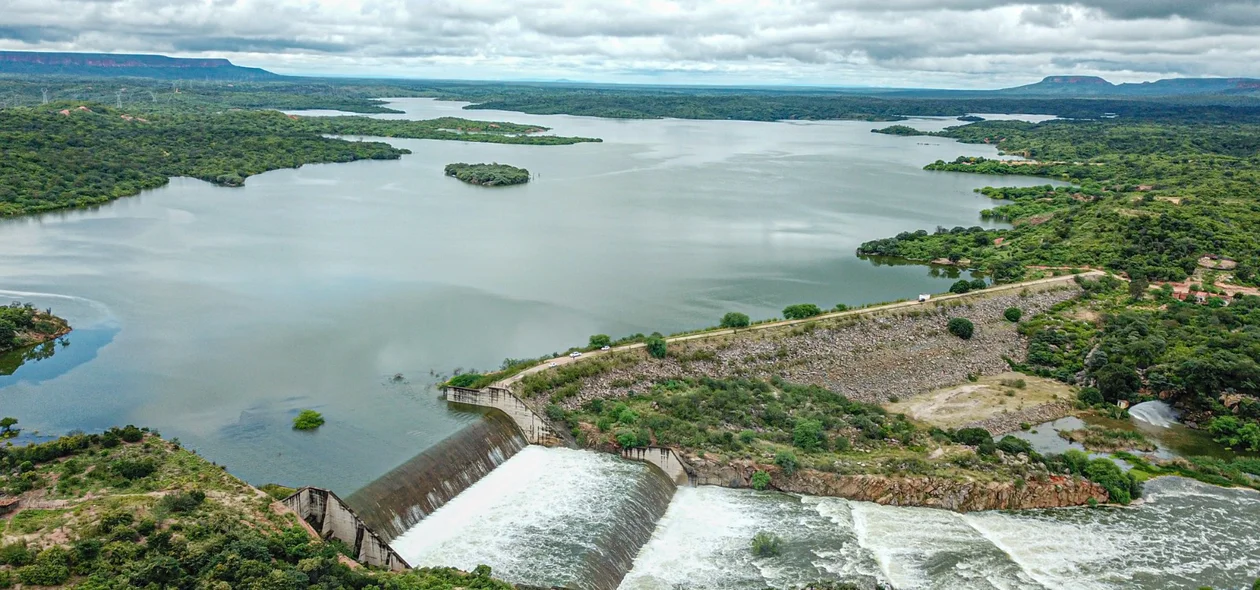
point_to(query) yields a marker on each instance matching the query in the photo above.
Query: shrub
(760, 480)
(807, 434)
(747, 436)
(978, 284)
(786, 460)
(600, 340)
(43, 574)
(1014, 445)
(766, 545)
(131, 434)
(656, 346)
(308, 420)
(1013, 314)
(627, 438)
(464, 380)
(962, 286)
(1090, 396)
(182, 501)
(801, 311)
(840, 307)
(1108, 475)
(133, 468)
(973, 436)
(961, 327)
(16, 555)
(735, 319)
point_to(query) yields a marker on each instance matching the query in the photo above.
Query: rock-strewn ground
(868, 358)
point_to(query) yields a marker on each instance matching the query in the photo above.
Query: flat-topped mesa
(488, 174)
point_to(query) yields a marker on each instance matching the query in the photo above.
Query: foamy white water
(1155, 413)
(546, 517)
(1185, 535)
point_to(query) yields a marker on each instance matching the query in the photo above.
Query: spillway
(547, 517)
(401, 498)
(1185, 535)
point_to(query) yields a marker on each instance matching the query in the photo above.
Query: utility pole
(44, 91)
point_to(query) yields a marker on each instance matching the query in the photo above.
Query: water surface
(228, 310)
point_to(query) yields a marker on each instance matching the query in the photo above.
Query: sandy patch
(959, 405)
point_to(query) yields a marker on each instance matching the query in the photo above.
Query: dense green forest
(126, 509)
(21, 324)
(488, 174)
(1154, 202)
(65, 155)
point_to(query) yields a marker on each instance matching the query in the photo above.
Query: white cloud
(957, 43)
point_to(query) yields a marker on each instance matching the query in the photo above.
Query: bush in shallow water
(767, 545)
(308, 420)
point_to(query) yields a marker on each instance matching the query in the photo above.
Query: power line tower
(44, 91)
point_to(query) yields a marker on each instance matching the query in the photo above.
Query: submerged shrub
(766, 545)
(308, 420)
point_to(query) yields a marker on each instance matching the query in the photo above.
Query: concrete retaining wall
(332, 518)
(535, 428)
(665, 458)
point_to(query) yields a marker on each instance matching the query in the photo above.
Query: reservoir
(214, 314)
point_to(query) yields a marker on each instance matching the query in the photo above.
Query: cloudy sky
(905, 43)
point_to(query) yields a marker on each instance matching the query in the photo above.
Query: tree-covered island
(21, 325)
(488, 174)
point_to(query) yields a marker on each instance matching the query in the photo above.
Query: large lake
(215, 314)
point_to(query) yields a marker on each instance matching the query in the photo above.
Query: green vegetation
(961, 327)
(93, 154)
(1148, 199)
(308, 420)
(766, 545)
(903, 130)
(801, 311)
(1013, 314)
(735, 319)
(488, 174)
(783, 428)
(657, 346)
(179, 522)
(1241, 471)
(22, 325)
(7, 429)
(1100, 439)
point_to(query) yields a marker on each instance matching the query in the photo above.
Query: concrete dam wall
(401, 498)
(330, 517)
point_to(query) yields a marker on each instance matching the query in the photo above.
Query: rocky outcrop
(960, 495)
(1011, 421)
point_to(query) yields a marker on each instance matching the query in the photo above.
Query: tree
(1138, 287)
(961, 327)
(1013, 314)
(6, 425)
(760, 480)
(978, 284)
(960, 287)
(807, 434)
(1117, 381)
(735, 319)
(1090, 396)
(657, 346)
(600, 340)
(801, 311)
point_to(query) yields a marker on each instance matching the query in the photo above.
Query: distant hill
(120, 64)
(1068, 86)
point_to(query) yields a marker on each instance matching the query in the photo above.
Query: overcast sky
(905, 43)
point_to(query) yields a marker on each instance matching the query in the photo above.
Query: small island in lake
(488, 174)
(21, 324)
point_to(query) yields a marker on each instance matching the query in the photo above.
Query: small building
(923, 297)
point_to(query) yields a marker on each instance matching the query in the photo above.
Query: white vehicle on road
(606, 347)
(551, 364)
(574, 354)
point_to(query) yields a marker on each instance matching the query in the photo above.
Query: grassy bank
(126, 509)
(22, 325)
